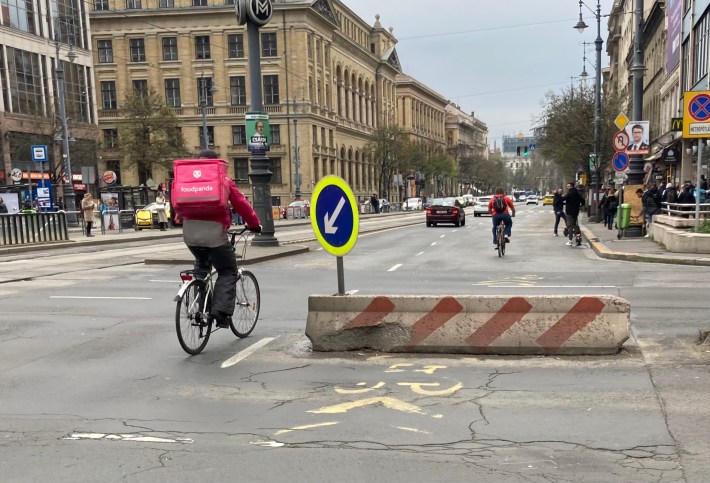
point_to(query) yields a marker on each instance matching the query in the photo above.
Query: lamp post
(203, 108)
(296, 151)
(69, 195)
(595, 178)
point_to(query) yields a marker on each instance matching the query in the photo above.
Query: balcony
(108, 113)
(237, 109)
(210, 111)
(273, 109)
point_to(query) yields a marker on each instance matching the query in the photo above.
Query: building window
(268, 44)
(700, 69)
(238, 90)
(137, 49)
(140, 86)
(76, 91)
(276, 169)
(108, 95)
(241, 170)
(199, 3)
(309, 45)
(210, 136)
(166, 3)
(100, 5)
(170, 48)
(202, 47)
(19, 15)
(110, 138)
(271, 89)
(275, 134)
(204, 90)
(105, 48)
(25, 82)
(133, 4)
(239, 135)
(235, 46)
(172, 92)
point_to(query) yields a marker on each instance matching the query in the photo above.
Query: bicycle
(193, 321)
(500, 238)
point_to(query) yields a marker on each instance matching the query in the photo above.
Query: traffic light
(517, 153)
(526, 151)
(422, 182)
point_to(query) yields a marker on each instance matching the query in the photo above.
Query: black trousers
(559, 215)
(223, 260)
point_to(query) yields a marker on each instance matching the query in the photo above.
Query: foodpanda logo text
(196, 189)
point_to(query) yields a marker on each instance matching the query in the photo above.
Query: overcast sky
(496, 58)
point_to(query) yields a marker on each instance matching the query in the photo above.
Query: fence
(23, 229)
(686, 210)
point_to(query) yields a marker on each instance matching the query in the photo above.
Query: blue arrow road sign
(334, 215)
(620, 161)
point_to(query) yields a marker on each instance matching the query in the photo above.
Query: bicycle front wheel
(192, 325)
(247, 305)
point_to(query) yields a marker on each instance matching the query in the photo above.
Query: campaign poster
(638, 132)
(258, 132)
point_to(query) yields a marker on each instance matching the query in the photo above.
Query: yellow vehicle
(144, 216)
(547, 200)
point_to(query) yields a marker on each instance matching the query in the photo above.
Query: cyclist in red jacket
(499, 210)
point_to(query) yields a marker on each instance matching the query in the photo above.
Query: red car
(302, 209)
(445, 210)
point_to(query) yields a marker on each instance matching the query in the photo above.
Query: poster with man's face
(638, 132)
(257, 132)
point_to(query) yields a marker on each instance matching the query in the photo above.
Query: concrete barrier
(564, 325)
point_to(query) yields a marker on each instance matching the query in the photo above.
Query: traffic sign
(621, 120)
(621, 141)
(620, 161)
(334, 215)
(696, 114)
(16, 174)
(240, 8)
(39, 154)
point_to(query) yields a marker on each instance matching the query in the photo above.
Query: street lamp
(296, 152)
(581, 26)
(69, 195)
(203, 108)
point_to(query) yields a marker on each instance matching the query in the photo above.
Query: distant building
(517, 150)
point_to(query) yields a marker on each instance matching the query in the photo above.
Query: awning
(655, 156)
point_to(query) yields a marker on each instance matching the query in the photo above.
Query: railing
(685, 209)
(23, 229)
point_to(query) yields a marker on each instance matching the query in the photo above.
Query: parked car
(547, 200)
(445, 210)
(531, 200)
(412, 204)
(480, 207)
(304, 204)
(144, 216)
(470, 199)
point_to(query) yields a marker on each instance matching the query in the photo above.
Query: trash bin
(623, 216)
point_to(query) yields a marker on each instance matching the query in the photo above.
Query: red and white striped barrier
(565, 325)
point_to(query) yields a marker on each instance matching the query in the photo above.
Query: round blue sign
(620, 161)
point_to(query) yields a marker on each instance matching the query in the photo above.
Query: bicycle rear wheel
(247, 305)
(500, 236)
(192, 325)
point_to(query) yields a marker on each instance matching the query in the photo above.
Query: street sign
(620, 178)
(621, 121)
(334, 215)
(39, 154)
(677, 124)
(16, 174)
(621, 141)
(260, 11)
(620, 161)
(696, 114)
(240, 8)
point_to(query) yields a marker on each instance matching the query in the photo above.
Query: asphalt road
(95, 386)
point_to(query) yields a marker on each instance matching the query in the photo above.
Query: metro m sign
(260, 11)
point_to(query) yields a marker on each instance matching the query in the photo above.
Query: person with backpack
(205, 226)
(573, 202)
(498, 208)
(609, 206)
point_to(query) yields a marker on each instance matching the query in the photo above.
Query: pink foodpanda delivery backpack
(200, 189)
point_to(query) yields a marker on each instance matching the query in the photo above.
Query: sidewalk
(605, 244)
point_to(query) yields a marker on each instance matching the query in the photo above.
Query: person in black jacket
(611, 203)
(558, 206)
(573, 202)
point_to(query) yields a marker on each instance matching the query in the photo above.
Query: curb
(470, 324)
(603, 252)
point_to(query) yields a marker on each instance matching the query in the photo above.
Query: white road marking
(140, 438)
(442, 236)
(268, 444)
(532, 285)
(307, 426)
(433, 244)
(166, 281)
(98, 298)
(395, 267)
(351, 292)
(240, 356)
(420, 253)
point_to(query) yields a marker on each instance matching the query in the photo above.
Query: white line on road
(395, 267)
(532, 285)
(433, 244)
(98, 298)
(352, 292)
(240, 356)
(418, 254)
(166, 281)
(442, 236)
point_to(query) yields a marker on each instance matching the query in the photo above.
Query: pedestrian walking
(609, 207)
(686, 198)
(558, 206)
(375, 203)
(87, 208)
(651, 201)
(160, 210)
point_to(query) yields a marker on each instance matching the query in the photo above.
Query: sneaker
(507, 240)
(495, 247)
(221, 320)
(556, 234)
(646, 235)
(569, 243)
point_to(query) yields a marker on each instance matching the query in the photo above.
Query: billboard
(674, 20)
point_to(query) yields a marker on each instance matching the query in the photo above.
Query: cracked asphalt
(98, 389)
